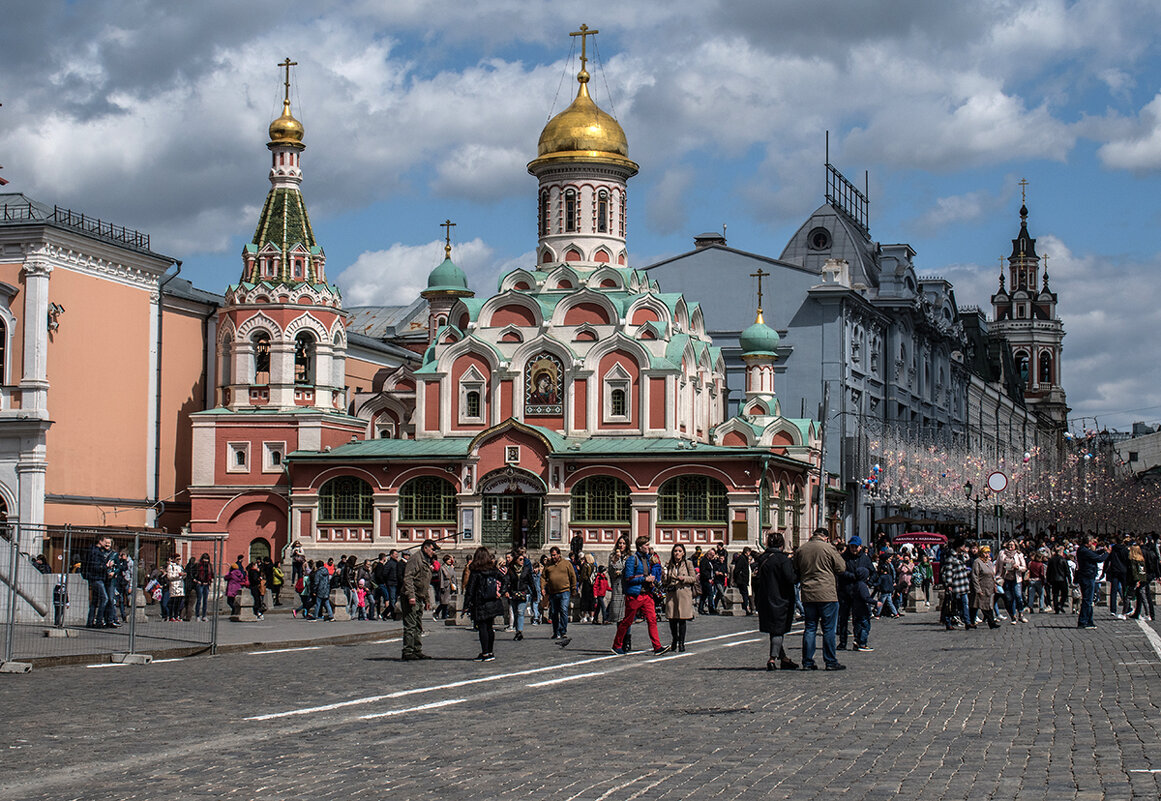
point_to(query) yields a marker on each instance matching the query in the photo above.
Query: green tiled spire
(285, 224)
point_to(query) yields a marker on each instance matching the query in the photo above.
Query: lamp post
(967, 491)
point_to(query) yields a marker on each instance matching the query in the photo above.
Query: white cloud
(396, 276)
(1139, 149)
(958, 209)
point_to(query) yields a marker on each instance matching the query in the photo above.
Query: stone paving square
(1037, 711)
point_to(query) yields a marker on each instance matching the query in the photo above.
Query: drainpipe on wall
(159, 507)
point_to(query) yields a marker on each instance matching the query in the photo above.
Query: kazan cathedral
(579, 399)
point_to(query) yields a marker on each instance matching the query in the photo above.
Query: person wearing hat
(850, 595)
(416, 580)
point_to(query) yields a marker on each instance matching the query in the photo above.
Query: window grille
(617, 403)
(600, 499)
(570, 211)
(472, 404)
(345, 499)
(603, 211)
(427, 500)
(692, 499)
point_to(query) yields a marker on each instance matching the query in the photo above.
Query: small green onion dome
(759, 340)
(447, 277)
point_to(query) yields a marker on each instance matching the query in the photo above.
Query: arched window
(600, 499)
(304, 358)
(570, 211)
(261, 344)
(472, 403)
(1045, 368)
(617, 403)
(345, 499)
(603, 211)
(427, 500)
(783, 503)
(692, 499)
(543, 216)
(621, 217)
(1022, 366)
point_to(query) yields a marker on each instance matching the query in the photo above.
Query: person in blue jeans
(321, 584)
(559, 583)
(818, 564)
(1088, 559)
(518, 586)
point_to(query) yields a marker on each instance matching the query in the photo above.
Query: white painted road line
(451, 685)
(740, 642)
(566, 678)
(1154, 638)
(109, 664)
(384, 642)
(666, 658)
(285, 650)
(393, 712)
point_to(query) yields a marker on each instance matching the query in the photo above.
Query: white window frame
(232, 451)
(268, 451)
(472, 381)
(617, 378)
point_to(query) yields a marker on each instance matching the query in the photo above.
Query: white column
(151, 405)
(34, 382)
(282, 374)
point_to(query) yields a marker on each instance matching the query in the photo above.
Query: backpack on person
(490, 588)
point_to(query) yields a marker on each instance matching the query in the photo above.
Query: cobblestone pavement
(1036, 711)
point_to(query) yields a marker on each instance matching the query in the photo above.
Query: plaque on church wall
(554, 527)
(467, 524)
(543, 376)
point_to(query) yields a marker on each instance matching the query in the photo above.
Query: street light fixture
(967, 491)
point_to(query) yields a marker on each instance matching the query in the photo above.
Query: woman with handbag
(680, 579)
(616, 573)
(518, 586)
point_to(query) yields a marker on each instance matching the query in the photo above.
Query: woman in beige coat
(680, 579)
(984, 587)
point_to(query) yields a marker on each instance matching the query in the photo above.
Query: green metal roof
(443, 447)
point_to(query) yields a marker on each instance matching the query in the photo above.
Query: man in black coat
(855, 557)
(1057, 576)
(774, 598)
(741, 576)
(1117, 572)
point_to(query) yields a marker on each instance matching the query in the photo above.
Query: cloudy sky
(154, 115)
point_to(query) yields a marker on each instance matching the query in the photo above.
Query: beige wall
(183, 391)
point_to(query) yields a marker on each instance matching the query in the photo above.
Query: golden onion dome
(286, 130)
(583, 132)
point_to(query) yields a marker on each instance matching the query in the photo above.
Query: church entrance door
(511, 520)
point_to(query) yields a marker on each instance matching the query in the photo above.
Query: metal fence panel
(82, 594)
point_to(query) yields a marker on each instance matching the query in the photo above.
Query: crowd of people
(839, 588)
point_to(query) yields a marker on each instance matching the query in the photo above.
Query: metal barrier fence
(72, 594)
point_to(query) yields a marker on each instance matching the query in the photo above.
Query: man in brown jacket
(559, 582)
(818, 564)
(416, 581)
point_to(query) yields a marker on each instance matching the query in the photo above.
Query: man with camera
(642, 578)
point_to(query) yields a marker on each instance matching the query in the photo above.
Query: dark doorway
(512, 520)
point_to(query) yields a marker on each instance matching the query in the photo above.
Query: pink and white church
(580, 398)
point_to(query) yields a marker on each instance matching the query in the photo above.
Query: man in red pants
(640, 577)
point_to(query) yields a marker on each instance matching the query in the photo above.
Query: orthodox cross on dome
(759, 275)
(1023, 190)
(584, 33)
(447, 225)
(1045, 257)
(287, 64)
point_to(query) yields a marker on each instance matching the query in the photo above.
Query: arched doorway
(259, 549)
(513, 510)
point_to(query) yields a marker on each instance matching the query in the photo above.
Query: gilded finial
(759, 275)
(286, 129)
(1023, 191)
(447, 225)
(1045, 272)
(584, 33)
(1001, 274)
